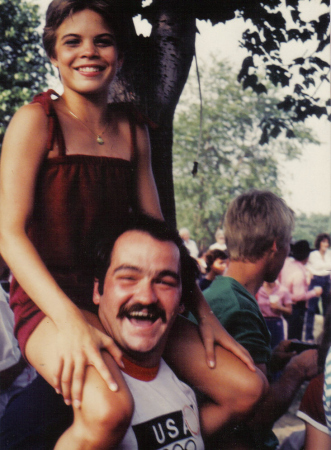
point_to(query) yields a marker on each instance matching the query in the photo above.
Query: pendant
(100, 141)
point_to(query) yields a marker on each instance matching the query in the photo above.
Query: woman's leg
(276, 328)
(233, 388)
(326, 295)
(103, 418)
(310, 316)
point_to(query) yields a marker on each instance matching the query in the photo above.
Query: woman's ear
(54, 62)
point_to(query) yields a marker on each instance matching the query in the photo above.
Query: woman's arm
(23, 152)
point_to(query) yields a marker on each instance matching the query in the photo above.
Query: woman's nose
(89, 49)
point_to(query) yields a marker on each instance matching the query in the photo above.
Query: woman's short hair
(110, 10)
(253, 221)
(321, 237)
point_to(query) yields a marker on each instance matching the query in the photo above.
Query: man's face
(141, 295)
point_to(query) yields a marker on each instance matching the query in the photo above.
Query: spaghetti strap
(54, 129)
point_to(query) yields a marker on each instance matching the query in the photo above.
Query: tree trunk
(153, 76)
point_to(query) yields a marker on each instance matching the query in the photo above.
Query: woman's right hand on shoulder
(79, 345)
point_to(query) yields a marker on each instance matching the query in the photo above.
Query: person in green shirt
(258, 227)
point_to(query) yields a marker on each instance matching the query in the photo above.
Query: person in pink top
(274, 299)
(295, 277)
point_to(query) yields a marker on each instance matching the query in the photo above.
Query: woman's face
(324, 245)
(86, 53)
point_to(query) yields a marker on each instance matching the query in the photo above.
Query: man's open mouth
(138, 312)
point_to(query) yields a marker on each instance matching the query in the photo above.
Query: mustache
(154, 310)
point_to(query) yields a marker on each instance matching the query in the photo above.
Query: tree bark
(153, 76)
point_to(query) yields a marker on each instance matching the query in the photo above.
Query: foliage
(23, 66)
(273, 27)
(308, 227)
(232, 159)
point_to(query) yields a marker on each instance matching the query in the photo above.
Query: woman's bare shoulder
(28, 128)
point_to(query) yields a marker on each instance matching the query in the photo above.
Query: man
(189, 243)
(143, 278)
(258, 227)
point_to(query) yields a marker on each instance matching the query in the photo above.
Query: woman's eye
(72, 42)
(104, 42)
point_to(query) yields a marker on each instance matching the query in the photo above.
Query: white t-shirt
(319, 265)
(166, 412)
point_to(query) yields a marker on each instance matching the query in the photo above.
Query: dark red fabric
(312, 401)
(78, 200)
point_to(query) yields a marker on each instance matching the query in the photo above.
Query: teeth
(89, 69)
(141, 314)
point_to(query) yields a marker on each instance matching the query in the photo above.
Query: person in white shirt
(319, 265)
(15, 373)
(191, 245)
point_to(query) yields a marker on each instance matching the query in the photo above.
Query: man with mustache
(144, 278)
(143, 282)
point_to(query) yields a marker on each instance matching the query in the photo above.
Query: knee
(250, 390)
(105, 418)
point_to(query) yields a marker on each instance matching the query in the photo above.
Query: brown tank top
(79, 199)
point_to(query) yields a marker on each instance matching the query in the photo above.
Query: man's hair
(321, 237)
(159, 230)
(211, 257)
(253, 221)
(112, 12)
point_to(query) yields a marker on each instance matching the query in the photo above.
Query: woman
(319, 265)
(82, 165)
(274, 300)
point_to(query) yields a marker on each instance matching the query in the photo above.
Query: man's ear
(274, 247)
(96, 294)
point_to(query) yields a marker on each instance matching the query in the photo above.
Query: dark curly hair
(212, 255)
(321, 237)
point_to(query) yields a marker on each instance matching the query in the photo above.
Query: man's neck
(136, 370)
(249, 275)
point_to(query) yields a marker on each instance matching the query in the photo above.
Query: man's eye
(167, 282)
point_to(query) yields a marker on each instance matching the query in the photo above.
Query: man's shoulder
(227, 298)
(227, 289)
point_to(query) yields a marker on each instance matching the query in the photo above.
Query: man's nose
(145, 292)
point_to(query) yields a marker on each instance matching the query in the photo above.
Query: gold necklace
(99, 139)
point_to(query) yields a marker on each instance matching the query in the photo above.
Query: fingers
(244, 355)
(68, 368)
(114, 351)
(208, 342)
(57, 377)
(78, 378)
(103, 370)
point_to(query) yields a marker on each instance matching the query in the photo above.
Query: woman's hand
(79, 345)
(212, 332)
